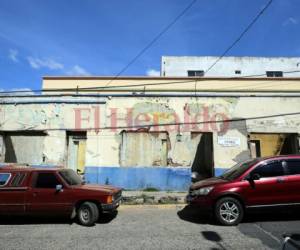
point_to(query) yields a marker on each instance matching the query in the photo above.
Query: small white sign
(229, 141)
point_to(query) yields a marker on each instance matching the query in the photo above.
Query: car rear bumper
(111, 206)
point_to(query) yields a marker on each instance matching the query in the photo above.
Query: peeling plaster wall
(103, 147)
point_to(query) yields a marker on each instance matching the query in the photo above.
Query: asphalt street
(148, 227)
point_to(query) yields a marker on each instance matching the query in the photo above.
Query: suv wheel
(87, 214)
(229, 211)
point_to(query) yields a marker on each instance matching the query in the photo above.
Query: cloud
(290, 20)
(153, 72)
(13, 55)
(79, 71)
(48, 63)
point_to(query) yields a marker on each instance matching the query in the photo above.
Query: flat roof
(166, 78)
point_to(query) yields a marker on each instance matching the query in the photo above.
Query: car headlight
(202, 191)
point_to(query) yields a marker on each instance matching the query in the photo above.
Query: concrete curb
(152, 198)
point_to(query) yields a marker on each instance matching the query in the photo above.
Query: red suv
(257, 183)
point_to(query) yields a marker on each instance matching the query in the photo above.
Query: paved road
(146, 227)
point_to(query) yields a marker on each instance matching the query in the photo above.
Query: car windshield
(70, 177)
(238, 169)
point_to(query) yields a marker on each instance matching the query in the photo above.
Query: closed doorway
(76, 144)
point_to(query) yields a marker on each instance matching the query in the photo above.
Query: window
(293, 166)
(271, 169)
(238, 72)
(18, 180)
(238, 169)
(195, 72)
(274, 73)
(4, 179)
(46, 180)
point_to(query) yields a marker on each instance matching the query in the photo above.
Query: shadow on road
(105, 218)
(272, 215)
(213, 237)
(192, 214)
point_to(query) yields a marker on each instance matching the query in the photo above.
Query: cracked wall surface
(197, 114)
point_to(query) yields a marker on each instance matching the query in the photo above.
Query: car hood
(207, 182)
(102, 188)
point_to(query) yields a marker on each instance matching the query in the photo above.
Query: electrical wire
(249, 26)
(149, 45)
(193, 80)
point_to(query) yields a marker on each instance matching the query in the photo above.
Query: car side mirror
(253, 177)
(59, 188)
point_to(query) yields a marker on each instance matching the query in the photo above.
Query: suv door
(43, 196)
(270, 189)
(293, 180)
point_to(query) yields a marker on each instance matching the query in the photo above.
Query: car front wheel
(88, 214)
(229, 211)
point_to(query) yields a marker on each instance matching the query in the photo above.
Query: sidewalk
(146, 197)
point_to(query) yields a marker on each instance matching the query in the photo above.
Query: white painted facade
(175, 66)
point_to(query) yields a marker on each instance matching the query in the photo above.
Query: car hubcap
(85, 214)
(229, 212)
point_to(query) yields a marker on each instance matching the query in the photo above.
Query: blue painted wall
(219, 171)
(139, 178)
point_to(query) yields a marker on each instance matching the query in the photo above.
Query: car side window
(293, 166)
(18, 180)
(46, 180)
(4, 178)
(271, 169)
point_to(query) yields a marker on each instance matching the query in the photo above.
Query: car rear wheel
(229, 211)
(88, 213)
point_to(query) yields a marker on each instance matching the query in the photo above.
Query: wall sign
(229, 141)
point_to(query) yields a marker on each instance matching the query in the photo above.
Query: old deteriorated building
(211, 66)
(142, 132)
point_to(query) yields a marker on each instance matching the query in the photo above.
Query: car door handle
(279, 180)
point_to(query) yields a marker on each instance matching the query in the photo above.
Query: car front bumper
(111, 206)
(201, 202)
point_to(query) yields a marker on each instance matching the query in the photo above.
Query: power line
(241, 35)
(153, 41)
(193, 80)
(177, 123)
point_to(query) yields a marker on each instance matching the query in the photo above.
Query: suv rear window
(4, 177)
(293, 166)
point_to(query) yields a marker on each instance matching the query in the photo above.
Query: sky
(100, 37)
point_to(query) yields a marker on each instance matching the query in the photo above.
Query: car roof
(280, 157)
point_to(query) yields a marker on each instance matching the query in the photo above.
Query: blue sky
(97, 37)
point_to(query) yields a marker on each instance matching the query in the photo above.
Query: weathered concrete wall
(106, 122)
(103, 147)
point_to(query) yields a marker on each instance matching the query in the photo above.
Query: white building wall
(179, 65)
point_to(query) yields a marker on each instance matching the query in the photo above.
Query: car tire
(229, 211)
(88, 213)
